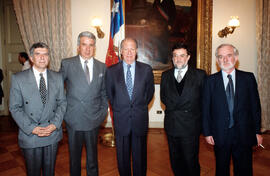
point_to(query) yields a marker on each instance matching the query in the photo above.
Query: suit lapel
(237, 89)
(189, 81)
(50, 89)
(172, 83)
(122, 81)
(221, 90)
(80, 72)
(136, 80)
(32, 83)
(95, 72)
(32, 87)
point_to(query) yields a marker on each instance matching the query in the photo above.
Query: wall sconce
(96, 23)
(233, 23)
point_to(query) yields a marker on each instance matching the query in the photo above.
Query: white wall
(82, 13)
(244, 37)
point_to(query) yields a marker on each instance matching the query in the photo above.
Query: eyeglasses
(181, 55)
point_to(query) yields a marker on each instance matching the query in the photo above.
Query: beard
(226, 68)
(180, 67)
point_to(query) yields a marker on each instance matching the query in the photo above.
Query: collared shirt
(184, 70)
(26, 65)
(132, 70)
(89, 64)
(226, 79)
(37, 76)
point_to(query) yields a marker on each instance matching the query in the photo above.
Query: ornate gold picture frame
(204, 38)
(140, 28)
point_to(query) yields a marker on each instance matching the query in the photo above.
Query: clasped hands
(44, 131)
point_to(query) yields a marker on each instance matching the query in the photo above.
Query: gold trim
(204, 38)
(204, 35)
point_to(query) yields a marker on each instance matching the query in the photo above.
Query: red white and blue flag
(117, 33)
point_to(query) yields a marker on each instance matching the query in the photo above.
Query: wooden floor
(12, 162)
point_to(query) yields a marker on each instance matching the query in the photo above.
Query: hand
(44, 131)
(259, 139)
(210, 140)
(38, 130)
(50, 128)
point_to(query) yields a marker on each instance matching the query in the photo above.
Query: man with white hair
(231, 114)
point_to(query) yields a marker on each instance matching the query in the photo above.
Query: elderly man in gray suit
(87, 103)
(38, 105)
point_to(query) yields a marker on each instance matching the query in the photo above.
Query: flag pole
(117, 34)
(108, 139)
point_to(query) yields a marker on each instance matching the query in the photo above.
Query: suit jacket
(183, 112)
(28, 111)
(130, 115)
(246, 114)
(87, 104)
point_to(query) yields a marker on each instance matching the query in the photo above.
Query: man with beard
(231, 114)
(180, 91)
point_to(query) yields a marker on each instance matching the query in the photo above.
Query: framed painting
(157, 25)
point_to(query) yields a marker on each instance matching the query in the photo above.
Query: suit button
(131, 106)
(49, 121)
(26, 102)
(31, 114)
(186, 111)
(53, 111)
(38, 123)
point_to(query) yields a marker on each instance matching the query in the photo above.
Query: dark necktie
(129, 82)
(86, 71)
(42, 89)
(230, 99)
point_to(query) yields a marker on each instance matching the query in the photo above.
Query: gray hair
(235, 50)
(128, 38)
(86, 34)
(38, 45)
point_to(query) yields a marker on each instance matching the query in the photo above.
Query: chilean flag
(117, 33)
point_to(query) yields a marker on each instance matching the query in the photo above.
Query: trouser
(40, 158)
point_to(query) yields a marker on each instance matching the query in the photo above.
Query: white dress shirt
(226, 79)
(26, 65)
(37, 76)
(89, 64)
(184, 70)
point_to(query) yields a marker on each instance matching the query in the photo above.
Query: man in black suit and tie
(38, 104)
(87, 103)
(130, 88)
(231, 114)
(180, 92)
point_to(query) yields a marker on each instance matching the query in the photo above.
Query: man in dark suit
(231, 114)
(130, 88)
(87, 103)
(38, 104)
(180, 92)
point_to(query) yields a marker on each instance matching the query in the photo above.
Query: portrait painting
(157, 25)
